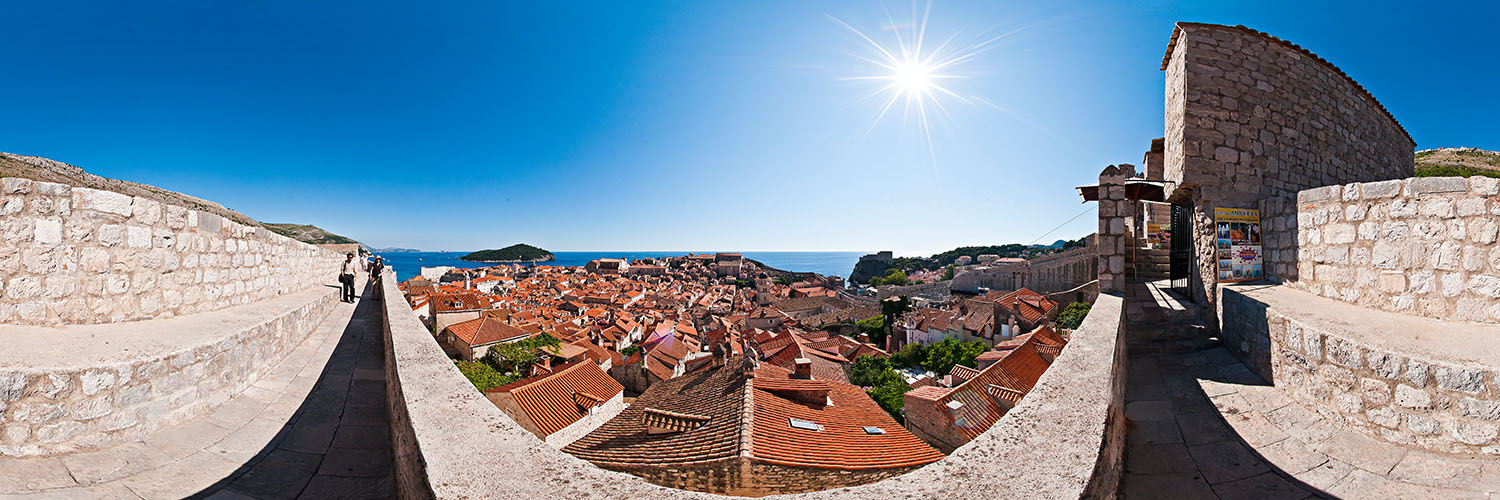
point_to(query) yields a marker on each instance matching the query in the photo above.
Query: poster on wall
(1238, 238)
(1156, 235)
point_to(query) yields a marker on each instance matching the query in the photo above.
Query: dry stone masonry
(1422, 246)
(52, 410)
(78, 256)
(1250, 116)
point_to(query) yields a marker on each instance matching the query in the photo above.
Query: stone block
(1469, 207)
(1484, 186)
(1475, 433)
(1409, 397)
(48, 232)
(1468, 380)
(145, 211)
(15, 185)
(102, 201)
(1423, 425)
(1419, 186)
(212, 223)
(1436, 207)
(1320, 194)
(1478, 408)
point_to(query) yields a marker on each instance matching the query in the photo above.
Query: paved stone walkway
(1203, 426)
(315, 427)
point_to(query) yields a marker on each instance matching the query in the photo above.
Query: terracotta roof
(760, 417)
(1017, 372)
(485, 330)
(1178, 28)
(556, 400)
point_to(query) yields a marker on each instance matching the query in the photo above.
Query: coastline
(549, 258)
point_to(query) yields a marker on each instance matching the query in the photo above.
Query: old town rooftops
(761, 424)
(555, 400)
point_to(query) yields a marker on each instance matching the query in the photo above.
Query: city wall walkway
(1202, 425)
(316, 426)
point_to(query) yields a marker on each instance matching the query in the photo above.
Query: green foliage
(744, 283)
(910, 355)
(785, 280)
(913, 264)
(307, 233)
(1454, 171)
(891, 398)
(943, 356)
(949, 271)
(630, 351)
(1073, 315)
(482, 375)
(519, 251)
(886, 387)
(873, 326)
(516, 358)
(872, 371)
(892, 276)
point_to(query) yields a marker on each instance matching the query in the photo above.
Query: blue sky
(661, 126)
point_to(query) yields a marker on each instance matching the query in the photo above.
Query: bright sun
(911, 72)
(913, 76)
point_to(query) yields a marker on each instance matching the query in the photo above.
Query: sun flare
(912, 71)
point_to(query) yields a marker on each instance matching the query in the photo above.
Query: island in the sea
(519, 252)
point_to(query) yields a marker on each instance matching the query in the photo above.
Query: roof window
(809, 425)
(872, 430)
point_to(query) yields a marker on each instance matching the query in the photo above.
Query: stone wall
(1250, 117)
(1116, 215)
(78, 256)
(1366, 371)
(449, 440)
(127, 383)
(1046, 274)
(1421, 246)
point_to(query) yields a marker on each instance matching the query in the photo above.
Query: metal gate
(1181, 249)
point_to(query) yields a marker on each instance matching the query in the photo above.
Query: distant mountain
(395, 250)
(306, 233)
(1457, 162)
(519, 252)
(41, 169)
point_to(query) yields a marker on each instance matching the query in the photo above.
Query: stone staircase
(1148, 263)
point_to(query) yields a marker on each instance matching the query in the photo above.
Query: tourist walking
(375, 270)
(346, 276)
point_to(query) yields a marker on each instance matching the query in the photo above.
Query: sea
(408, 264)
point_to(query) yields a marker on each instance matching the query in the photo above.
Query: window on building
(798, 423)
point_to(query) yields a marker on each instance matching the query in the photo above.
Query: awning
(1135, 189)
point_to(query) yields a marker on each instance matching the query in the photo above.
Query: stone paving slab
(1253, 442)
(299, 432)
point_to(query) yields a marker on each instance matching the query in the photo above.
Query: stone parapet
(1422, 246)
(1413, 381)
(84, 387)
(81, 256)
(450, 441)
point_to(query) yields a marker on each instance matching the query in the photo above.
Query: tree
(872, 371)
(515, 358)
(891, 309)
(874, 326)
(1073, 315)
(943, 356)
(891, 397)
(482, 375)
(949, 271)
(630, 351)
(892, 276)
(785, 280)
(909, 355)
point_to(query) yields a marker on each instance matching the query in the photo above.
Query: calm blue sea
(407, 265)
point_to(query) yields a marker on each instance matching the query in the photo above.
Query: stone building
(1251, 117)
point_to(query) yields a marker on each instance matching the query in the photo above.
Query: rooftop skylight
(870, 429)
(798, 423)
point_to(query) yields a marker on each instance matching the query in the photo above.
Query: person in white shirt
(346, 276)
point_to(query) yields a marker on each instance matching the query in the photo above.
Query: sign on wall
(1156, 235)
(1238, 244)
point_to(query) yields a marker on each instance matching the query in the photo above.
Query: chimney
(1012, 326)
(803, 370)
(863, 338)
